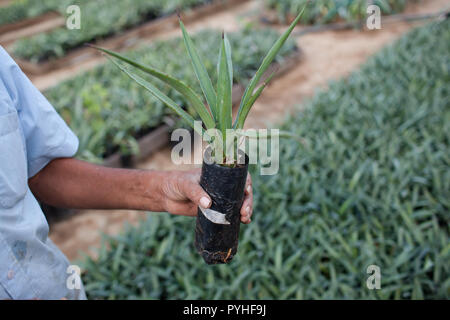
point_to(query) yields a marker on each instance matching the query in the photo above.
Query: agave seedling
(218, 227)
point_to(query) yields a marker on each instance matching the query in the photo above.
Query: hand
(182, 194)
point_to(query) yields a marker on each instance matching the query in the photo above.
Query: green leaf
(242, 116)
(159, 95)
(178, 85)
(280, 134)
(224, 93)
(201, 73)
(248, 95)
(229, 58)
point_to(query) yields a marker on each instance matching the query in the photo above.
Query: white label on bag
(214, 216)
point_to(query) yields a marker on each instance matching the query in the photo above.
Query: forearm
(70, 183)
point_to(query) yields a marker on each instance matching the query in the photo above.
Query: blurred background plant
(326, 11)
(99, 19)
(371, 186)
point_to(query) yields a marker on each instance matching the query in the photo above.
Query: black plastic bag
(215, 241)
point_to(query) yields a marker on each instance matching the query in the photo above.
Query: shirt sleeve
(46, 134)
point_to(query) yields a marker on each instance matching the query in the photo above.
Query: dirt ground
(327, 55)
(46, 25)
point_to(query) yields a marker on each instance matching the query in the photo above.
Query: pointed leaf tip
(249, 91)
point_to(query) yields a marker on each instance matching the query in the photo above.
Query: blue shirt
(31, 135)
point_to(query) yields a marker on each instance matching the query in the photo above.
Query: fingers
(183, 195)
(194, 192)
(191, 195)
(247, 206)
(183, 208)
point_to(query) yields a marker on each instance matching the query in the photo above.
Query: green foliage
(99, 19)
(218, 112)
(250, 95)
(326, 11)
(21, 9)
(201, 73)
(371, 186)
(132, 111)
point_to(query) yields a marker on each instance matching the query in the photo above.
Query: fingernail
(249, 188)
(247, 210)
(204, 202)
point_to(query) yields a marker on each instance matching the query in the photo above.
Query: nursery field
(101, 18)
(369, 183)
(369, 186)
(326, 11)
(16, 11)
